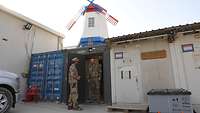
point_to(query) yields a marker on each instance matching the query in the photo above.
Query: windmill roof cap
(91, 8)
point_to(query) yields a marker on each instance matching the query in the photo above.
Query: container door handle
(122, 77)
(129, 73)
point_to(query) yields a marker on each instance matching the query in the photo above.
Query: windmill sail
(76, 17)
(111, 19)
(104, 12)
(98, 9)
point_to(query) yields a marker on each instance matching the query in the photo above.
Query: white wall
(100, 26)
(187, 64)
(155, 73)
(179, 70)
(44, 42)
(13, 55)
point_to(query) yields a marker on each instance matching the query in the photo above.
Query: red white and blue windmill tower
(95, 25)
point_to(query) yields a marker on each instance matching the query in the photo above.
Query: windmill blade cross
(91, 1)
(76, 17)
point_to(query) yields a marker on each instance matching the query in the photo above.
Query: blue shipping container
(47, 71)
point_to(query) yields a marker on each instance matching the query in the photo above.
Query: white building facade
(159, 59)
(17, 43)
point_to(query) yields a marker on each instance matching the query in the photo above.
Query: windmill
(95, 25)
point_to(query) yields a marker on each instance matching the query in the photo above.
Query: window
(91, 22)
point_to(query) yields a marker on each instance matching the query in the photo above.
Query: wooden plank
(154, 55)
(139, 108)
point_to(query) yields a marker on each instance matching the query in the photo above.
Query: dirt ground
(55, 108)
(62, 108)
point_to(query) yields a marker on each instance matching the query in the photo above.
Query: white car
(9, 90)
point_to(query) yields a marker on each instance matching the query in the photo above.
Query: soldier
(94, 78)
(73, 83)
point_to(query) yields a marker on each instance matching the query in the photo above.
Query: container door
(54, 76)
(127, 84)
(192, 68)
(81, 71)
(38, 72)
(128, 80)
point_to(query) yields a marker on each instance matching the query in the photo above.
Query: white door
(192, 69)
(128, 82)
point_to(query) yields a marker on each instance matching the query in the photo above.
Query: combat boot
(78, 108)
(70, 108)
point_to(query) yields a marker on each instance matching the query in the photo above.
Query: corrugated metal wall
(38, 72)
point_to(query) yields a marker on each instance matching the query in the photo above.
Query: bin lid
(169, 92)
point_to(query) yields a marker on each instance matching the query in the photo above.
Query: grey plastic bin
(169, 101)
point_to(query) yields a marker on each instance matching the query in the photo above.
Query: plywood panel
(153, 55)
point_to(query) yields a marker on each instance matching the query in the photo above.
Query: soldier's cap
(75, 59)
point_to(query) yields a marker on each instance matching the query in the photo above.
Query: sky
(134, 15)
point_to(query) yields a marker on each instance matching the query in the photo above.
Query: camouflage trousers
(94, 89)
(73, 96)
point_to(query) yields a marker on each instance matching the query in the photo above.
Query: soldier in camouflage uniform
(94, 77)
(73, 83)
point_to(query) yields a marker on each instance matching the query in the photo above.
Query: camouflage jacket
(94, 71)
(73, 73)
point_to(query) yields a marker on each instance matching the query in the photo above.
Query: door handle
(137, 84)
(122, 75)
(136, 79)
(129, 73)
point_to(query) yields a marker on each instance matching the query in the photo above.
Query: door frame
(105, 51)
